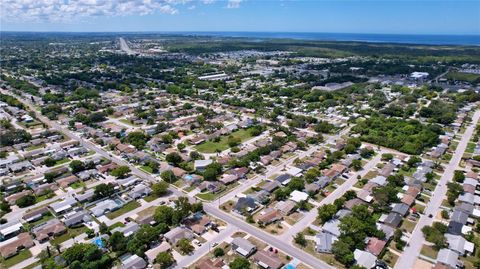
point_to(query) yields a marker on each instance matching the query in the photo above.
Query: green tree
(118, 242)
(185, 246)
(168, 176)
(160, 188)
(120, 172)
(77, 166)
(25, 201)
(218, 252)
(165, 259)
(49, 162)
(326, 212)
(104, 190)
(300, 239)
(173, 158)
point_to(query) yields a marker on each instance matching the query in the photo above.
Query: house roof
(447, 257)
(365, 259)
(267, 259)
(298, 196)
(375, 246)
(324, 241)
(401, 209)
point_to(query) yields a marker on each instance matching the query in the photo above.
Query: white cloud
(68, 10)
(233, 3)
(207, 2)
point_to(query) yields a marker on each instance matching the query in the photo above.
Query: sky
(325, 16)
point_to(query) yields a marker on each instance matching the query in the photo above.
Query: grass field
(126, 208)
(463, 76)
(211, 147)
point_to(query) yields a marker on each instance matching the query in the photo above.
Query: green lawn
(470, 147)
(62, 161)
(147, 169)
(429, 252)
(21, 256)
(47, 216)
(150, 198)
(35, 147)
(115, 225)
(71, 233)
(211, 147)
(78, 184)
(208, 196)
(125, 209)
(127, 122)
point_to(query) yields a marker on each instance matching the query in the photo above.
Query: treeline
(409, 136)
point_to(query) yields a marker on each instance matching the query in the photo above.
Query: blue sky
(335, 16)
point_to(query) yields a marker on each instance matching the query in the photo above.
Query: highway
(409, 256)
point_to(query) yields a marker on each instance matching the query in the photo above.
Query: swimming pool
(98, 242)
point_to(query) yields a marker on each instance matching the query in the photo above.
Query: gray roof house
(393, 220)
(245, 204)
(324, 241)
(177, 233)
(331, 227)
(139, 191)
(459, 244)
(76, 218)
(105, 206)
(128, 229)
(243, 247)
(133, 262)
(63, 206)
(447, 257)
(401, 209)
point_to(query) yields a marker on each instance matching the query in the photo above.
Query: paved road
(337, 193)
(416, 240)
(274, 241)
(205, 248)
(125, 48)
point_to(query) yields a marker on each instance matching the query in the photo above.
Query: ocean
(473, 40)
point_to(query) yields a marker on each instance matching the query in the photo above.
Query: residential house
(364, 258)
(245, 204)
(243, 247)
(133, 262)
(75, 218)
(14, 245)
(267, 260)
(324, 241)
(51, 228)
(177, 233)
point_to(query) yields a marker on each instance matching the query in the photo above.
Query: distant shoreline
(414, 39)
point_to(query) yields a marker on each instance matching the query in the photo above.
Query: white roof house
(201, 164)
(364, 258)
(298, 196)
(294, 171)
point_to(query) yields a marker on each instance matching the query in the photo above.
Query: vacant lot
(211, 147)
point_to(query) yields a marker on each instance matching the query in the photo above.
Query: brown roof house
(267, 260)
(50, 228)
(22, 241)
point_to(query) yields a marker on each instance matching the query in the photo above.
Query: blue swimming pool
(98, 242)
(289, 266)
